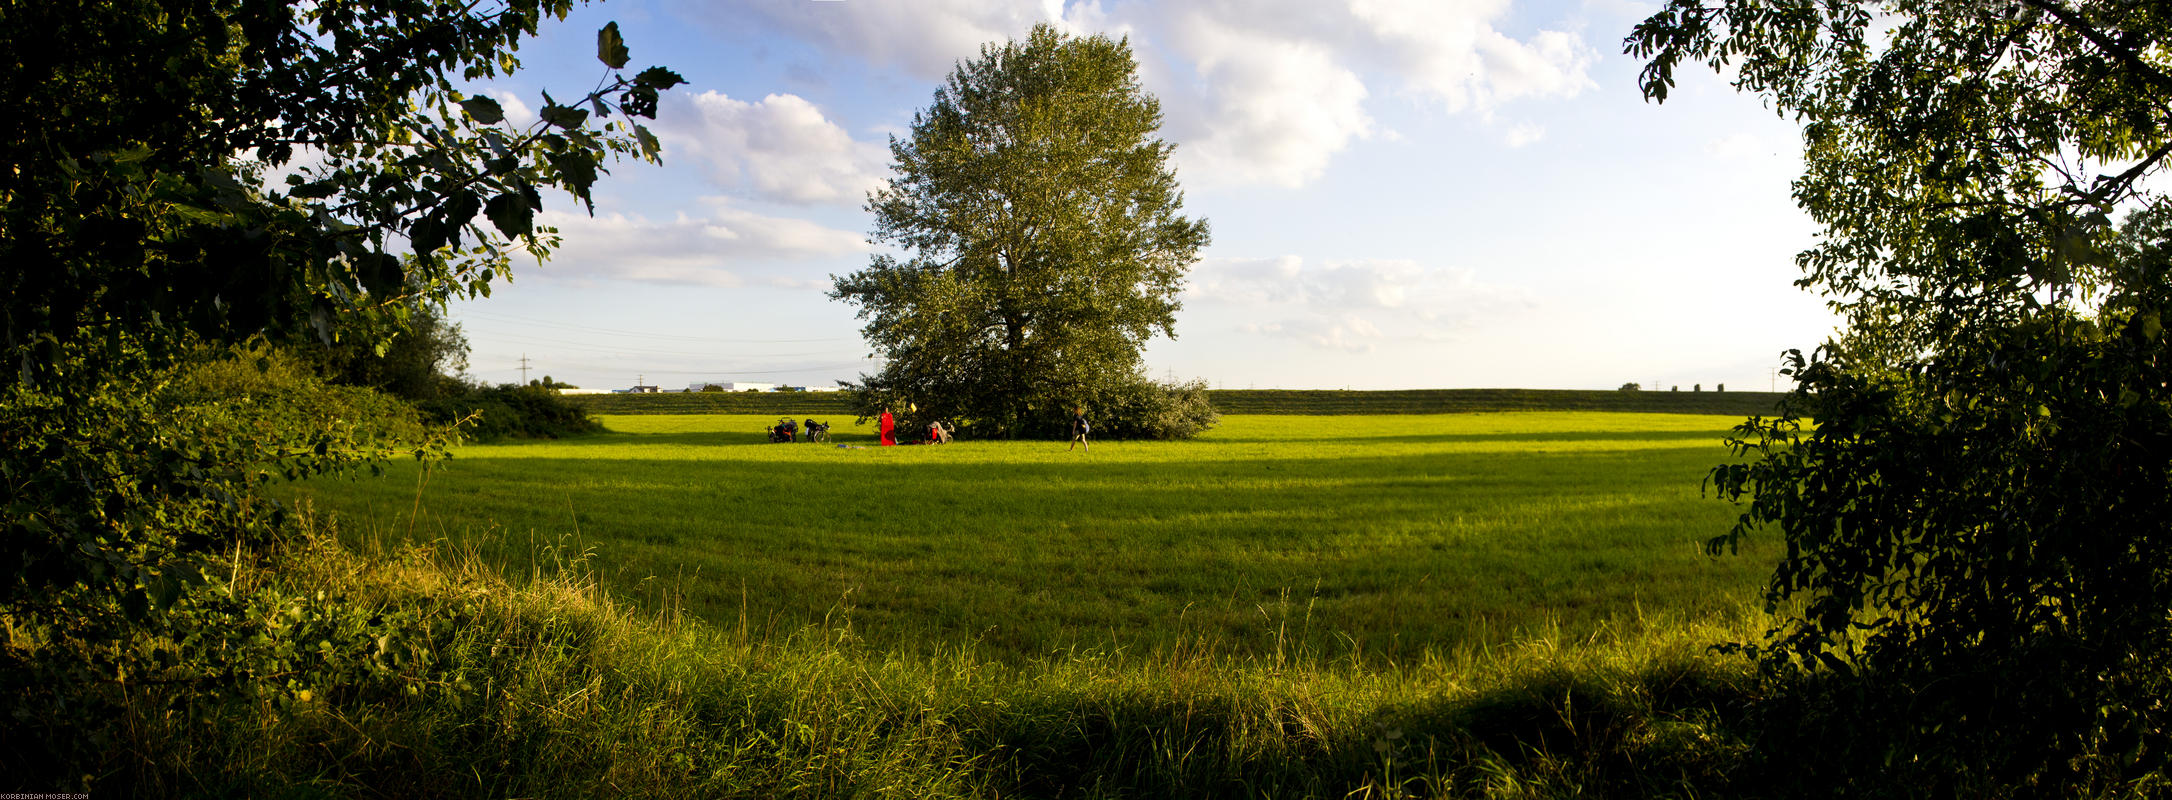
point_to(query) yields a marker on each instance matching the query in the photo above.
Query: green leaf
(511, 214)
(566, 117)
(658, 78)
(314, 191)
(485, 110)
(611, 49)
(381, 274)
(577, 171)
(427, 234)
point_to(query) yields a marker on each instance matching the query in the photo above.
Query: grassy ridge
(1340, 535)
(1248, 401)
(1464, 401)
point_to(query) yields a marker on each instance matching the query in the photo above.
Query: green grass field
(1331, 536)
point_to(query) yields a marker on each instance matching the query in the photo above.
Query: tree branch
(2124, 55)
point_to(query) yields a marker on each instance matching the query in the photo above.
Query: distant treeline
(1461, 401)
(1245, 401)
(833, 403)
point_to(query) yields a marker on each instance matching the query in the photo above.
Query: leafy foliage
(1047, 241)
(1147, 409)
(132, 511)
(412, 360)
(125, 203)
(1963, 160)
(1979, 515)
(415, 358)
(149, 266)
(491, 413)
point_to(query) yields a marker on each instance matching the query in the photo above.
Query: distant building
(732, 386)
(638, 390)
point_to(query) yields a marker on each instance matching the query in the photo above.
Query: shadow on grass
(1449, 438)
(1673, 729)
(687, 439)
(743, 438)
(1401, 552)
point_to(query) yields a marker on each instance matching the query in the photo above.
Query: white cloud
(1453, 53)
(713, 250)
(1269, 94)
(1273, 109)
(926, 38)
(1524, 133)
(781, 148)
(1351, 305)
(1256, 91)
(517, 113)
(1347, 333)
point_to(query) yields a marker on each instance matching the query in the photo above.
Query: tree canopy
(1964, 159)
(186, 183)
(132, 202)
(1980, 512)
(1045, 240)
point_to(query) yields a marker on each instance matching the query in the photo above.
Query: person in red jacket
(889, 428)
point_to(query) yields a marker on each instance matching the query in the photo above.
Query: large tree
(1981, 512)
(145, 264)
(1046, 242)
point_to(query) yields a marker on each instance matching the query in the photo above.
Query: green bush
(1140, 408)
(510, 411)
(133, 526)
(1149, 409)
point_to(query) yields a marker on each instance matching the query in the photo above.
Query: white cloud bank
(1255, 91)
(1351, 305)
(780, 148)
(924, 37)
(726, 247)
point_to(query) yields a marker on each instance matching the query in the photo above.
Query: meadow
(1337, 537)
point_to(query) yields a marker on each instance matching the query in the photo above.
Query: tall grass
(544, 685)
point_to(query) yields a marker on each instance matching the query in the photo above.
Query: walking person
(1079, 429)
(889, 428)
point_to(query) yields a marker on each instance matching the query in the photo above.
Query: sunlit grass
(1369, 537)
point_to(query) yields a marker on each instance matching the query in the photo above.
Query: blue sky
(1403, 194)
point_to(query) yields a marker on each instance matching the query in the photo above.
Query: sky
(1402, 194)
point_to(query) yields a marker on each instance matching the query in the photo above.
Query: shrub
(491, 413)
(132, 505)
(1149, 409)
